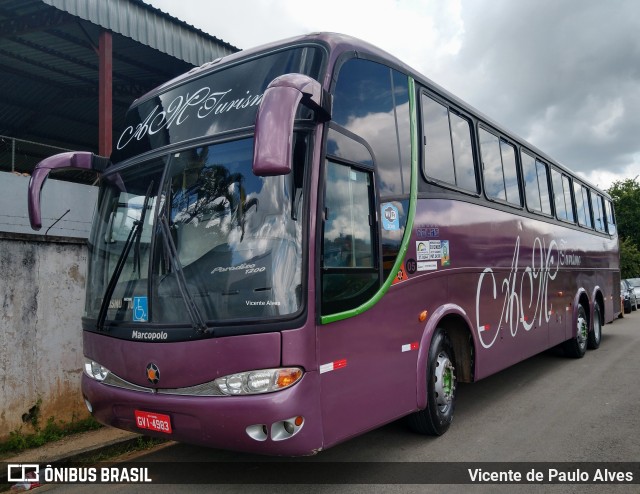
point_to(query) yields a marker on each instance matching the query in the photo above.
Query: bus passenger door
(367, 378)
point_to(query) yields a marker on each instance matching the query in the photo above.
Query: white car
(635, 284)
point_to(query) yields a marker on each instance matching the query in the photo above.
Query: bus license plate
(153, 421)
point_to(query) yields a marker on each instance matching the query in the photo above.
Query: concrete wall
(42, 294)
(42, 291)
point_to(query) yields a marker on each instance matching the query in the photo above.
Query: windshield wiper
(138, 235)
(134, 233)
(197, 320)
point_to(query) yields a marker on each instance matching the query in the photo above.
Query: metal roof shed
(148, 26)
(64, 62)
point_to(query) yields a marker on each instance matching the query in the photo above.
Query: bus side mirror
(274, 120)
(82, 160)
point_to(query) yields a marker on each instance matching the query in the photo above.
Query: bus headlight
(94, 370)
(259, 381)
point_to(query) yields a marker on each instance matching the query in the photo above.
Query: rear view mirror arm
(79, 160)
(275, 118)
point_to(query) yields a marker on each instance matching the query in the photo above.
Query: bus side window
(598, 213)
(543, 183)
(350, 275)
(371, 119)
(448, 152)
(558, 195)
(536, 184)
(582, 205)
(611, 220)
(499, 168)
(370, 101)
(562, 196)
(566, 187)
(531, 186)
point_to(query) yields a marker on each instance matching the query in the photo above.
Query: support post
(105, 93)
(13, 155)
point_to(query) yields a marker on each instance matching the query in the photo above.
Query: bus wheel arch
(447, 358)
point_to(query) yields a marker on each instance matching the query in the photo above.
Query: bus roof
(337, 46)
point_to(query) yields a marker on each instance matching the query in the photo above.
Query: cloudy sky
(563, 74)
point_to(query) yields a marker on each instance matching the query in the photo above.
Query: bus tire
(576, 347)
(436, 418)
(595, 335)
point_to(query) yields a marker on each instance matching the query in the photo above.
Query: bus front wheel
(436, 418)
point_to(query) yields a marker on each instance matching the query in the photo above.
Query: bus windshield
(233, 238)
(218, 101)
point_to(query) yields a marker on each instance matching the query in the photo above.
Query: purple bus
(299, 243)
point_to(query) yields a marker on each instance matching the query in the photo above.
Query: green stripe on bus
(410, 219)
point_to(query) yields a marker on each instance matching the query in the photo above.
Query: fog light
(88, 405)
(258, 432)
(286, 429)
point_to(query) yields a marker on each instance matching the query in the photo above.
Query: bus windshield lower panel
(237, 239)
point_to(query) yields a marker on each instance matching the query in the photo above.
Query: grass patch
(132, 446)
(52, 431)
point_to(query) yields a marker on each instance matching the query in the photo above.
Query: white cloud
(564, 75)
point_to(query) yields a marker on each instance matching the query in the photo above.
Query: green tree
(626, 200)
(629, 259)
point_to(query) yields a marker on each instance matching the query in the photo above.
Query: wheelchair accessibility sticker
(140, 309)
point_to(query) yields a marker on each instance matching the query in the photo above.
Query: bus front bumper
(286, 422)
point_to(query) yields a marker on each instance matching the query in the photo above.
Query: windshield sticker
(446, 255)
(262, 302)
(428, 266)
(422, 251)
(400, 276)
(431, 250)
(117, 303)
(411, 266)
(390, 217)
(249, 269)
(140, 309)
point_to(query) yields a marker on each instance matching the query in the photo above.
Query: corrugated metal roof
(149, 26)
(49, 67)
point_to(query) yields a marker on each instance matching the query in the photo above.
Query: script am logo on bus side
(202, 103)
(532, 280)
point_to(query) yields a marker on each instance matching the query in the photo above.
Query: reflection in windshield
(117, 272)
(236, 240)
(372, 101)
(133, 239)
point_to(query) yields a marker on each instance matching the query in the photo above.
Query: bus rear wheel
(441, 389)
(593, 342)
(576, 347)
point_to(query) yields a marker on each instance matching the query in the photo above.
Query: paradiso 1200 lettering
(249, 269)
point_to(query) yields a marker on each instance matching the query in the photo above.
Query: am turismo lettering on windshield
(202, 103)
(526, 290)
